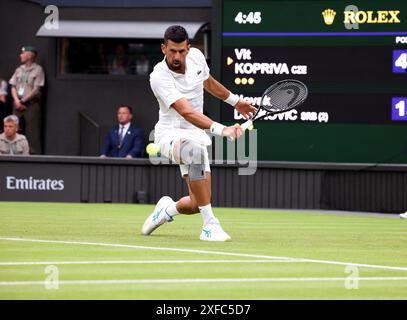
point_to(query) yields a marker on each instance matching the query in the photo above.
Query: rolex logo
(329, 16)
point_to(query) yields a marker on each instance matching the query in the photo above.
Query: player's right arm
(201, 121)
(216, 89)
(165, 91)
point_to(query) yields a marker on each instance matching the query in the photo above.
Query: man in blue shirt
(124, 140)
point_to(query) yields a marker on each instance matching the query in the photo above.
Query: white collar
(126, 126)
(175, 74)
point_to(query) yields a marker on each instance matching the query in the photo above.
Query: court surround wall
(285, 185)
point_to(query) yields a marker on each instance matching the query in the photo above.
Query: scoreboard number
(400, 61)
(399, 111)
(401, 108)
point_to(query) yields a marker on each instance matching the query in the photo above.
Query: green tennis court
(96, 251)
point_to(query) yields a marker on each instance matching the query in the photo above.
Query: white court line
(114, 245)
(28, 263)
(203, 280)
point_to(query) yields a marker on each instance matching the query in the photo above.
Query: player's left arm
(216, 89)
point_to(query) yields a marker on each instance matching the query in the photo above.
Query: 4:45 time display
(253, 17)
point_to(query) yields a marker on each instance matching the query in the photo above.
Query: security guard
(26, 84)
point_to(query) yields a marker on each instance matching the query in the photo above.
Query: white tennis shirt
(169, 86)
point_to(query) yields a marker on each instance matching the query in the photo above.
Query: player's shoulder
(160, 71)
(195, 51)
(196, 54)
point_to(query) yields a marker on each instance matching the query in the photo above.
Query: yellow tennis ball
(250, 128)
(152, 149)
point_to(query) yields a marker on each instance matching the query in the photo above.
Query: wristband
(217, 128)
(233, 99)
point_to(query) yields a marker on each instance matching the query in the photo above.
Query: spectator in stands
(12, 143)
(143, 65)
(119, 63)
(26, 84)
(3, 98)
(124, 139)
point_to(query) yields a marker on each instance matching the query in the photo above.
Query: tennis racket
(279, 97)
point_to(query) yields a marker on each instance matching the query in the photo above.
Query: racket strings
(284, 96)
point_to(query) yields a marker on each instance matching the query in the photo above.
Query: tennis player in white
(178, 83)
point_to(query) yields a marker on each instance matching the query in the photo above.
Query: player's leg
(211, 230)
(166, 208)
(194, 162)
(195, 157)
(160, 215)
(195, 170)
(189, 204)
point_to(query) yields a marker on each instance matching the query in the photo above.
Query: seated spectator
(124, 139)
(11, 142)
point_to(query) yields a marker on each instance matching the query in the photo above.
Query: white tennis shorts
(166, 141)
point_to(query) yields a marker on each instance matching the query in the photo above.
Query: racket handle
(247, 124)
(244, 126)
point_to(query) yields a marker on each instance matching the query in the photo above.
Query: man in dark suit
(124, 140)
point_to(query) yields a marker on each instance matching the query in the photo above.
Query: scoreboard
(352, 55)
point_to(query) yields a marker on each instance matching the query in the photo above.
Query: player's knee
(193, 155)
(191, 152)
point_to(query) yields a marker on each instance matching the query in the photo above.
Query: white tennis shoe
(158, 217)
(403, 215)
(212, 231)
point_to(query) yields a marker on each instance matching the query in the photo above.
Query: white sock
(207, 213)
(171, 210)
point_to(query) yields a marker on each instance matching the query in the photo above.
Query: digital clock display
(251, 17)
